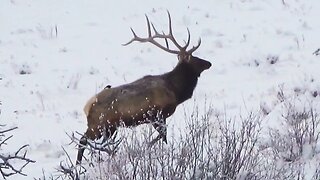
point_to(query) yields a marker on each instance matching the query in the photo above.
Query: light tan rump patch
(88, 106)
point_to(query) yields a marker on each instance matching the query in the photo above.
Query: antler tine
(170, 35)
(137, 38)
(188, 41)
(149, 28)
(155, 30)
(133, 39)
(194, 47)
(166, 41)
(170, 28)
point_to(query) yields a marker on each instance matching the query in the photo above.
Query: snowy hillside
(54, 55)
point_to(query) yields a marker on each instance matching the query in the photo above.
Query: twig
(6, 168)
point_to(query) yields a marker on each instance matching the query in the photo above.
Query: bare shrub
(211, 147)
(45, 177)
(316, 174)
(293, 146)
(300, 135)
(74, 82)
(214, 146)
(238, 155)
(8, 161)
(316, 52)
(269, 59)
(68, 170)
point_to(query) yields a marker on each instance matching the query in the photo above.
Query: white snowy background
(54, 55)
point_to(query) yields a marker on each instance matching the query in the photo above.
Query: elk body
(150, 99)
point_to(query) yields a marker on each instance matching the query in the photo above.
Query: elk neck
(182, 80)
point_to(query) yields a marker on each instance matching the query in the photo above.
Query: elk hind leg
(161, 127)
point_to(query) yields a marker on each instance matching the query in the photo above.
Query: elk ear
(189, 57)
(179, 57)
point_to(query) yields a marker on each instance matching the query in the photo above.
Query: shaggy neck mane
(182, 79)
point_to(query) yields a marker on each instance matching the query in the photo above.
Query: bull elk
(150, 99)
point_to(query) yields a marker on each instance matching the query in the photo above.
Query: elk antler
(151, 38)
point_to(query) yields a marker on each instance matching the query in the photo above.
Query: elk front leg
(82, 146)
(161, 127)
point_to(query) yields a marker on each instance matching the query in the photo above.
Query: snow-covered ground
(54, 55)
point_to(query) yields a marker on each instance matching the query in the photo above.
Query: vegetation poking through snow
(12, 163)
(213, 146)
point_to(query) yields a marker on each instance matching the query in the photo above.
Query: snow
(55, 55)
